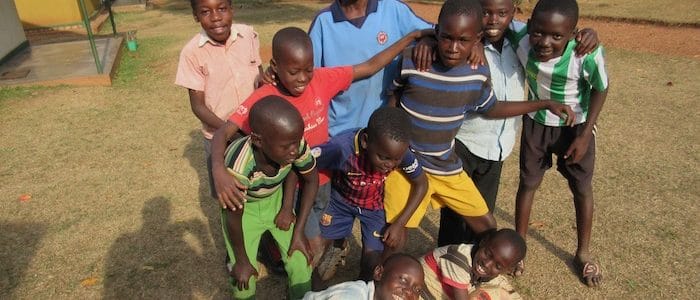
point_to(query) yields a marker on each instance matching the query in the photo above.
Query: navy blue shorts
(338, 218)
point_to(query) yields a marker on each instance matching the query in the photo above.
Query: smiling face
(216, 17)
(384, 153)
(549, 34)
(400, 278)
(495, 256)
(456, 35)
(294, 69)
(497, 16)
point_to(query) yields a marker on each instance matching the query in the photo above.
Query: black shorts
(537, 144)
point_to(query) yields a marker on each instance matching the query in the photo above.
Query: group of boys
(316, 134)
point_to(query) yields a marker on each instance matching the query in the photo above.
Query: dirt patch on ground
(677, 41)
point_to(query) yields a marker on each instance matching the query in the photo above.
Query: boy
(261, 162)
(545, 49)
(483, 144)
(437, 102)
(454, 271)
(309, 90)
(219, 67)
(359, 160)
(350, 32)
(399, 277)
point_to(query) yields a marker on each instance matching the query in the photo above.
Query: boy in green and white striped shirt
(553, 71)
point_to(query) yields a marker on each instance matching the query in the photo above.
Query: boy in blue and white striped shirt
(545, 47)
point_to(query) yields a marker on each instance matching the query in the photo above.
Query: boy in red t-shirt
(310, 91)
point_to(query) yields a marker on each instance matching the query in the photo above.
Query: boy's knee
(297, 268)
(529, 183)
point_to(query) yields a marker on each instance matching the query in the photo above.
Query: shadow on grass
(560, 253)
(253, 12)
(195, 154)
(160, 260)
(18, 245)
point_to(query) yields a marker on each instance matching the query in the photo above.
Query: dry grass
(667, 12)
(119, 206)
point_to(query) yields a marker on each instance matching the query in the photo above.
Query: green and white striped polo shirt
(566, 79)
(239, 159)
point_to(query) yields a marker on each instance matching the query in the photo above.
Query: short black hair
(274, 113)
(396, 256)
(462, 8)
(193, 3)
(289, 38)
(388, 121)
(566, 8)
(509, 235)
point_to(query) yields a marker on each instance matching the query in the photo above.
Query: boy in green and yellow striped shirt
(261, 161)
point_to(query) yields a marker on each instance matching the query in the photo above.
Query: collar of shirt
(339, 15)
(204, 38)
(356, 140)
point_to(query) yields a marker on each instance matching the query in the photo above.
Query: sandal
(591, 274)
(518, 269)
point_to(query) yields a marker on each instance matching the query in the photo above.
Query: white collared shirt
(493, 139)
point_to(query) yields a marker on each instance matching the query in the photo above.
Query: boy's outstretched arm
(309, 187)
(242, 268)
(381, 59)
(503, 109)
(579, 146)
(201, 111)
(231, 192)
(393, 236)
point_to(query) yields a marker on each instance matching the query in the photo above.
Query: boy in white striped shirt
(553, 71)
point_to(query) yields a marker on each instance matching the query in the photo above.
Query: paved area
(62, 63)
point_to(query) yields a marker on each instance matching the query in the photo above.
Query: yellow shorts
(457, 192)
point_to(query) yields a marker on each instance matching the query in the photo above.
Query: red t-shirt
(312, 104)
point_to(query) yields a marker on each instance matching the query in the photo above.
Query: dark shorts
(207, 156)
(539, 142)
(312, 229)
(339, 217)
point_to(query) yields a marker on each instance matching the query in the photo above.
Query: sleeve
(240, 115)
(408, 19)
(594, 69)
(306, 162)
(517, 31)
(410, 165)
(255, 46)
(455, 266)
(332, 81)
(328, 156)
(487, 98)
(316, 35)
(400, 81)
(190, 74)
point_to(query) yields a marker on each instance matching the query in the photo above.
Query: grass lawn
(118, 202)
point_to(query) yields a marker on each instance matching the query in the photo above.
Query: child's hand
(424, 53)
(578, 148)
(394, 236)
(301, 244)
(241, 273)
(586, 41)
(563, 111)
(230, 191)
(268, 77)
(477, 56)
(284, 219)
